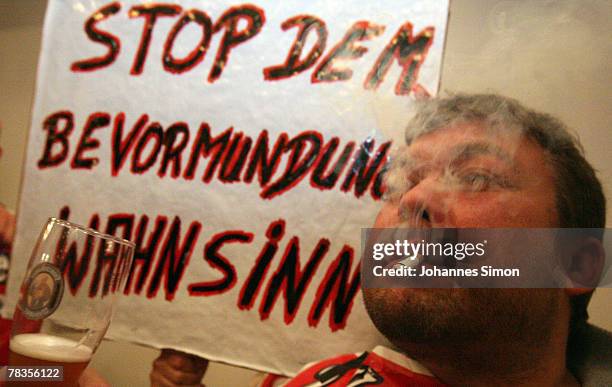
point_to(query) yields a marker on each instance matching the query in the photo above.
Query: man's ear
(586, 266)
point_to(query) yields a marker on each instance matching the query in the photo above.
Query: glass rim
(91, 231)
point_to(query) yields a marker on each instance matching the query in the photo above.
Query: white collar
(401, 360)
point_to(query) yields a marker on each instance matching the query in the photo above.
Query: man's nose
(425, 204)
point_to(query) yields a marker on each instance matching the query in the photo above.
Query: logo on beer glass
(44, 290)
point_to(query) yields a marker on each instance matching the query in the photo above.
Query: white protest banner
(240, 146)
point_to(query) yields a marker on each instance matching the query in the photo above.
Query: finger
(184, 361)
(7, 225)
(177, 376)
(159, 380)
(10, 231)
(3, 225)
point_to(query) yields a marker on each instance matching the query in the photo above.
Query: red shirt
(381, 367)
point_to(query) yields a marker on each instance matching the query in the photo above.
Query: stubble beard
(463, 317)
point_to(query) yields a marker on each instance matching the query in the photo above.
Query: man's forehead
(466, 141)
(461, 152)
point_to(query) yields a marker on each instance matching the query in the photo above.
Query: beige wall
(553, 56)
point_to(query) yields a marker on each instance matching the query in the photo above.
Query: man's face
(466, 176)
